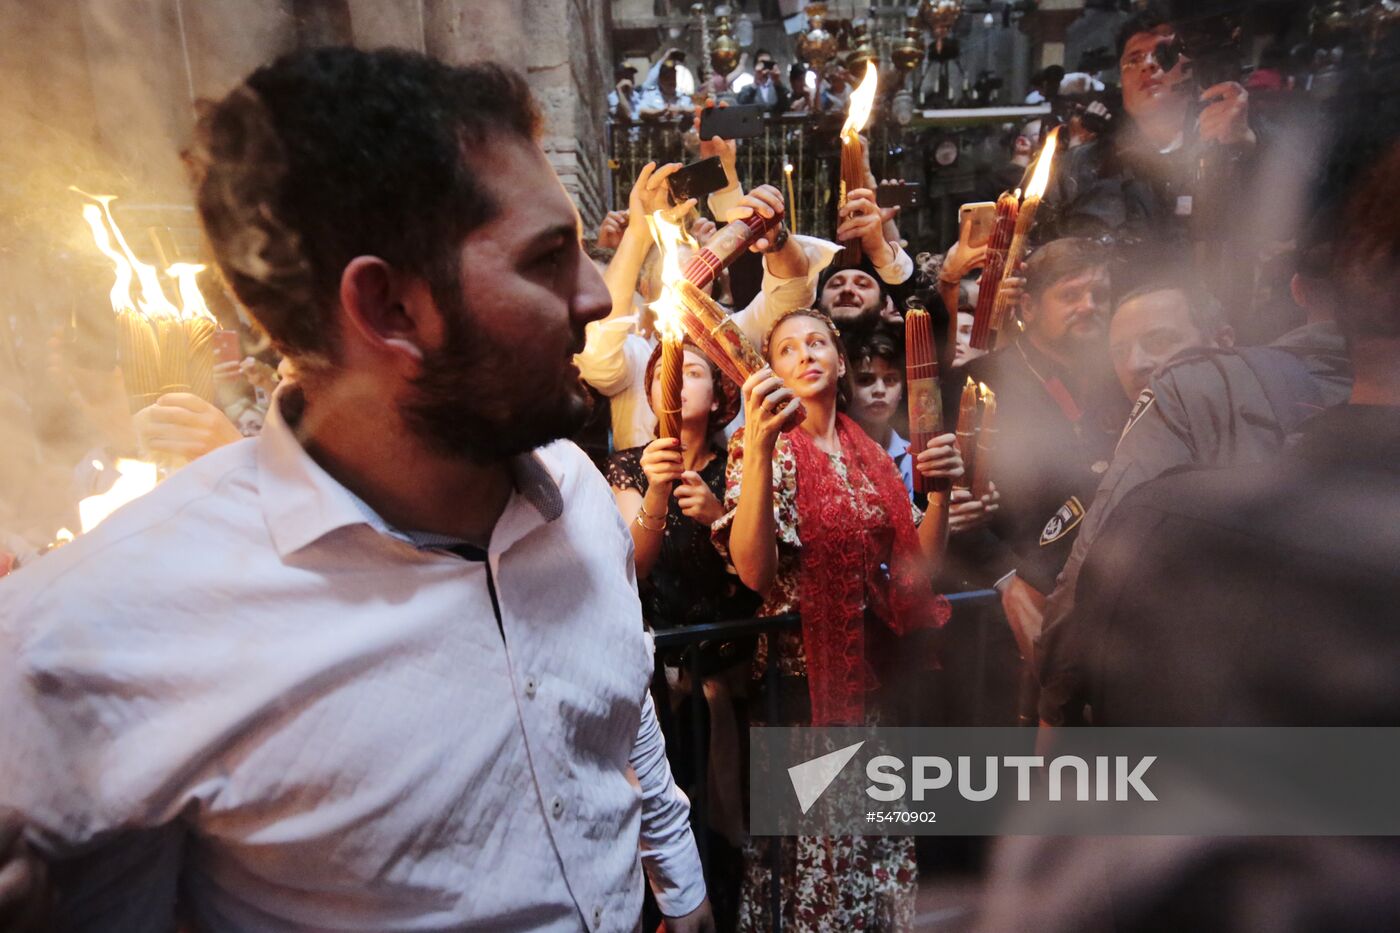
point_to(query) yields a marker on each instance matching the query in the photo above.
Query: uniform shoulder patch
(1063, 522)
(1140, 407)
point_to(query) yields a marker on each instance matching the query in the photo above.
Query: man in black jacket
(1059, 412)
(1138, 183)
(766, 88)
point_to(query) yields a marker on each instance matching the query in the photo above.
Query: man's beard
(472, 401)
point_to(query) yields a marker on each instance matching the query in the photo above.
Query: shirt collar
(898, 446)
(302, 503)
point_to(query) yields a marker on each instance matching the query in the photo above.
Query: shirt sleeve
(899, 270)
(669, 855)
(778, 296)
(604, 362)
(723, 201)
(784, 494)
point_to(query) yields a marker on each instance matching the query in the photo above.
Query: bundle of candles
(853, 152)
(976, 437)
(925, 408)
(161, 348)
(684, 309)
(1007, 247)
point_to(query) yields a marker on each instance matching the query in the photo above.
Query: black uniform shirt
(1052, 448)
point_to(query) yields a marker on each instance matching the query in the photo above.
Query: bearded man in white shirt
(383, 667)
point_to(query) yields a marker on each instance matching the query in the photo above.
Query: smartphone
(227, 347)
(733, 122)
(903, 194)
(975, 222)
(698, 180)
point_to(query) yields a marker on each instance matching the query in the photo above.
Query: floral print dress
(829, 883)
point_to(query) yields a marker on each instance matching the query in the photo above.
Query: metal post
(700, 806)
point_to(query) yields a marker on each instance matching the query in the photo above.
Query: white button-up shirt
(246, 680)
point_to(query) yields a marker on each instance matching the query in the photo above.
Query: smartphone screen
(698, 180)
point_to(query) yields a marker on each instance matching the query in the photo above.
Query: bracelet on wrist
(643, 516)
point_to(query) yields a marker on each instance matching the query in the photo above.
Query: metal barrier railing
(975, 606)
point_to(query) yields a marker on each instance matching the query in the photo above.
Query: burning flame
(64, 536)
(670, 238)
(862, 101)
(1041, 177)
(152, 302)
(191, 300)
(135, 478)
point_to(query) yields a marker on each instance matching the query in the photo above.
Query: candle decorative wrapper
(989, 283)
(727, 245)
(986, 445)
(719, 338)
(923, 391)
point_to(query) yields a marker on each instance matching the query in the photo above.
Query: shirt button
(556, 806)
(597, 916)
(1100, 466)
(531, 685)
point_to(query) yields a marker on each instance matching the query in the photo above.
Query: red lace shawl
(849, 564)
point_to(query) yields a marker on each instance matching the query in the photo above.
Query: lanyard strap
(1056, 390)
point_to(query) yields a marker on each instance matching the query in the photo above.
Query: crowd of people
(388, 663)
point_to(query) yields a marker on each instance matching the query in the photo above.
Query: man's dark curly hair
(1147, 19)
(328, 154)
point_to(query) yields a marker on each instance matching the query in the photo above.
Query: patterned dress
(829, 883)
(690, 583)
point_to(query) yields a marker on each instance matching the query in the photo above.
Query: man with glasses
(766, 88)
(1139, 182)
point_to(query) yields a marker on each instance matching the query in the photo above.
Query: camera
(1208, 39)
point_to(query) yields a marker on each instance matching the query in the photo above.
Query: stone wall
(114, 81)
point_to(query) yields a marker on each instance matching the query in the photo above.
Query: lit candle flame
(135, 478)
(670, 238)
(862, 102)
(191, 299)
(1040, 179)
(64, 536)
(152, 301)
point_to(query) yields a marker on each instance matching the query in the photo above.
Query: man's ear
(386, 311)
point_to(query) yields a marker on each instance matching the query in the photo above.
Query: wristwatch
(779, 239)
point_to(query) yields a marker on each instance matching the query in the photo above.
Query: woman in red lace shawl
(819, 522)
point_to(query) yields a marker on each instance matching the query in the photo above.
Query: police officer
(1059, 413)
(1211, 406)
